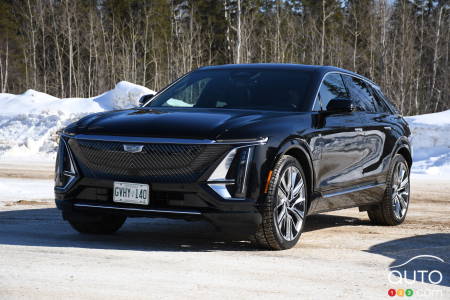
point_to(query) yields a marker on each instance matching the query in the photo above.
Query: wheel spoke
(282, 197)
(282, 216)
(395, 178)
(298, 200)
(402, 172)
(403, 183)
(289, 179)
(299, 216)
(397, 207)
(293, 179)
(288, 228)
(297, 187)
(402, 202)
(283, 185)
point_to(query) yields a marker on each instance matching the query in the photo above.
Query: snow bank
(124, 95)
(29, 122)
(431, 143)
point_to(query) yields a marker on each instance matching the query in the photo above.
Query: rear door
(377, 126)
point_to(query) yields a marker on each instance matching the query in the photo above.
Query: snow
(16, 189)
(431, 144)
(124, 95)
(29, 122)
(178, 103)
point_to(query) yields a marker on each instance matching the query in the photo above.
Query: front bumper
(89, 198)
(242, 222)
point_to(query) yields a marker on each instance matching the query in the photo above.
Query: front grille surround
(157, 162)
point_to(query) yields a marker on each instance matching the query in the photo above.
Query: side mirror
(144, 99)
(340, 105)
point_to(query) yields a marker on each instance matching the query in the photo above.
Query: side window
(361, 94)
(332, 87)
(380, 105)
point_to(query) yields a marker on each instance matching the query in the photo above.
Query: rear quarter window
(387, 102)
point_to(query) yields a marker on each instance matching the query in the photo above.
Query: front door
(339, 144)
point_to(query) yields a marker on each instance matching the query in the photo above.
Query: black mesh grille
(171, 163)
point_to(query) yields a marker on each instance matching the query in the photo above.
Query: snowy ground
(16, 189)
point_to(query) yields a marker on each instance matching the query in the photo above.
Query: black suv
(252, 148)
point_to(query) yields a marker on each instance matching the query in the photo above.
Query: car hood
(173, 123)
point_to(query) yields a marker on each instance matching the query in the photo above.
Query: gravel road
(340, 255)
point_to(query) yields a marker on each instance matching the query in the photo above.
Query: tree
(81, 48)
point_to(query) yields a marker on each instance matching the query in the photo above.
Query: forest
(81, 48)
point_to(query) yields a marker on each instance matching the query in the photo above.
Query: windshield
(237, 89)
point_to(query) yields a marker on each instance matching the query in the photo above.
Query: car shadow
(45, 227)
(417, 255)
(321, 221)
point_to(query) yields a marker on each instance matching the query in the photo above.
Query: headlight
(230, 178)
(65, 170)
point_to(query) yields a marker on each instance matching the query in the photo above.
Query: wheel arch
(299, 149)
(404, 148)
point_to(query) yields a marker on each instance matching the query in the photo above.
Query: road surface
(340, 255)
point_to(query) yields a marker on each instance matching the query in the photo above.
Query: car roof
(322, 70)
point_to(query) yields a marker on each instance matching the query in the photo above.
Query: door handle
(358, 129)
(387, 127)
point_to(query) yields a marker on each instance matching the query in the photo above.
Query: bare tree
(4, 70)
(83, 48)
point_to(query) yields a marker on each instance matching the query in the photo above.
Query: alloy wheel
(291, 205)
(400, 190)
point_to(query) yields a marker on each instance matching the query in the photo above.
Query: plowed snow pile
(431, 143)
(29, 122)
(28, 125)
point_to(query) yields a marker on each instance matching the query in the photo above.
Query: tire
(394, 206)
(286, 203)
(106, 224)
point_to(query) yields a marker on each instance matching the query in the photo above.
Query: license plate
(134, 193)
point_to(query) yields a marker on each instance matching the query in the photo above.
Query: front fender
(298, 148)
